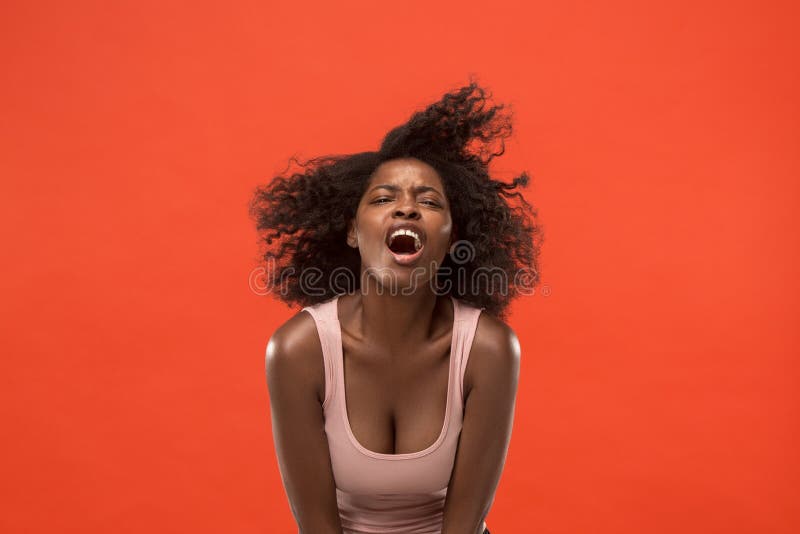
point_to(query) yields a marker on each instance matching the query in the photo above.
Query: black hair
(302, 215)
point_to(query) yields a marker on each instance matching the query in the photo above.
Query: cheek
(370, 233)
(446, 229)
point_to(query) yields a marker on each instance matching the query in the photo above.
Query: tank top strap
(465, 323)
(326, 318)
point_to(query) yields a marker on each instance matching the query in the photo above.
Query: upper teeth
(403, 231)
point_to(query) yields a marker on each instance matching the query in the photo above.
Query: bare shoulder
(495, 355)
(294, 355)
(294, 376)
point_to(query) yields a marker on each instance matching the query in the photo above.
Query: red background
(658, 388)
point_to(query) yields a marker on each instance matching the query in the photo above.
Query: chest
(396, 402)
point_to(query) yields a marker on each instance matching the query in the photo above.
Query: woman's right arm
(296, 382)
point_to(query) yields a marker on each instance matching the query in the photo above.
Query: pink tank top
(391, 493)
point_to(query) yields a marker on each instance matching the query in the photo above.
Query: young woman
(392, 391)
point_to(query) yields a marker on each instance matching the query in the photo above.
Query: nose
(409, 212)
(406, 208)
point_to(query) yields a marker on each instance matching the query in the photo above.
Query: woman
(405, 260)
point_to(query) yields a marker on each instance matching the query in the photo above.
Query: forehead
(406, 172)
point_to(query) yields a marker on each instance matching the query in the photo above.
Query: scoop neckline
(448, 404)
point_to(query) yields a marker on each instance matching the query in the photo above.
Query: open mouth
(405, 245)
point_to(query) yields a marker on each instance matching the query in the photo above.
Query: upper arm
(294, 369)
(486, 432)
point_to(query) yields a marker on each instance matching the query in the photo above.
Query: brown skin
(401, 190)
(396, 351)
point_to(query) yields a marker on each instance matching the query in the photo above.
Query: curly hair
(302, 216)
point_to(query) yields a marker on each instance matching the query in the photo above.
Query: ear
(352, 234)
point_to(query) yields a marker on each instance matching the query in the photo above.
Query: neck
(397, 319)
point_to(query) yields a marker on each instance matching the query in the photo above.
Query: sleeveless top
(391, 493)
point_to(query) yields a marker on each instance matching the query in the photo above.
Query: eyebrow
(417, 189)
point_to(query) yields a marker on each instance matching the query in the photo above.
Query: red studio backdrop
(659, 376)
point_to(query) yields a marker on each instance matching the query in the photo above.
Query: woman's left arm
(490, 387)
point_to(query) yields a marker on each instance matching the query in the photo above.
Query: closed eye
(383, 200)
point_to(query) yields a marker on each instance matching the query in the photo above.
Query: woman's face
(403, 227)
